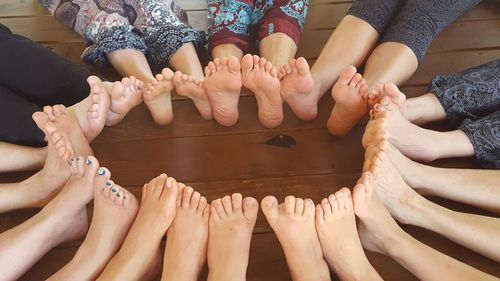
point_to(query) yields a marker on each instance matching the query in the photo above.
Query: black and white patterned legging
(158, 28)
(471, 99)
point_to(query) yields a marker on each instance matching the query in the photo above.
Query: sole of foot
(223, 87)
(91, 113)
(44, 185)
(399, 198)
(297, 89)
(261, 77)
(293, 223)
(387, 123)
(157, 97)
(188, 86)
(338, 234)
(378, 231)
(187, 242)
(350, 106)
(231, 224)
(125, 95)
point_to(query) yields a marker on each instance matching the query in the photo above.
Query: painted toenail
(118, 195)
(77, 158)
(108, 183)
(89, 162)
(101, 172)
(113, 190)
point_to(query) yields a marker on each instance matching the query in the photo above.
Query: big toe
(347, 74)
(269, 207)
(250, 208)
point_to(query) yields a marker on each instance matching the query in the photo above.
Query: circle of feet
(123, 239)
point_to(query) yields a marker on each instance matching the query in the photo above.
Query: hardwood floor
(217, 161)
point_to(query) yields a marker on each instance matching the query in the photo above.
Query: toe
(247, 63)
(355, 80)
(91, 166)
(290, 205)
(167, 73)
(250, 209)
(319, 214)
(237, 203)
(341, 200)
(186, 197)
(228, 205)
(302, 66)
(348, 201)
(347, 74)
(308, 208)
(103, 175)
(327, 207)
(159, 185)
(202, 205)
(269, 207)
(195, 201)
(218, 208)
(299, 206)
(171, 191)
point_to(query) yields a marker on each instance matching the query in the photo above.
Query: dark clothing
(32, 77)
(414, 23)
(471, 99)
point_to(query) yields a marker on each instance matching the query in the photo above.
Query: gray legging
(472, 98)
(414, 23)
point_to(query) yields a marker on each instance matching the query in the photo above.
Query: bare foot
(223, 86)
(157, 97)
(187, 238)
(91, 112)
(114, 211)
(231, 224)
(350, 106)
(64, 219)
(188, 86)
(293, 223)
(412, 140)
(400, 199)
(377, 230)
(260, 77)
(125, 95)
(389, 91)
(40, 188)
(139, 258)
(338, 234)
(297, 87)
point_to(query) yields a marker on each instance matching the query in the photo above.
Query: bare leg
(390, 62)
(413, 141)
(21, 158)
(474, 187)
(278, 48)
(478, 233)
(231, 224)
(63, 219)
(139, 256)
(380, 233)
(114, 211)
(227, 50)
(293, 223)
(350, 44)
(187, 238)
(336, 227)
(418, 110)
(186, 61)
(130, 62)
(40, 188)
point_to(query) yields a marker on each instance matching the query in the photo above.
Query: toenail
(77, 158)
(89, 162)
(118, 195)
(113, 190)
(101, 172)
(109, 183)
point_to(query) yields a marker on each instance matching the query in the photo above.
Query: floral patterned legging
(239, 22)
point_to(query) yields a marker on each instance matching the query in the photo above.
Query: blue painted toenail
(109, 183)
(101, 172)
(113, 190)
(89, 162)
